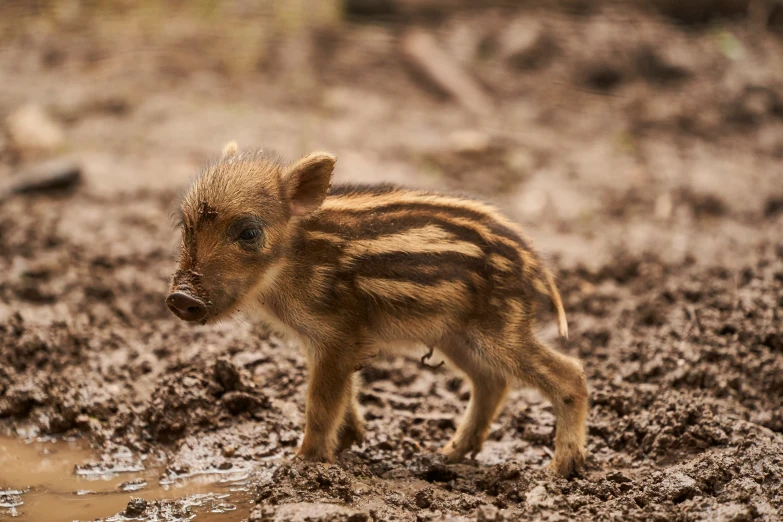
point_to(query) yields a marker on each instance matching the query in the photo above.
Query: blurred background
(574, 115)
(639, 142)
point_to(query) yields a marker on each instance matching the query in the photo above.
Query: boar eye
(249, 234)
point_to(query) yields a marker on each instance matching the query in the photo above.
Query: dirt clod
(136, 508)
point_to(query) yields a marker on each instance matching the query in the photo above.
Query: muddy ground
(641, 148)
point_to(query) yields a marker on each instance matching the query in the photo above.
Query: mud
(62, 481)
(645, 163)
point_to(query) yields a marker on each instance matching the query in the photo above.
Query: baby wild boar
(350, 271)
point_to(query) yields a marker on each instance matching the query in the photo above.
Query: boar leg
(352, 430)
(488, 389)
(561, 380)
(328, 398)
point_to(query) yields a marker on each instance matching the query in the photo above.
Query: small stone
(32, 131)
(136, 507)
(228, 451)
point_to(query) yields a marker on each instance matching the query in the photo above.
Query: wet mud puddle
(63, 481)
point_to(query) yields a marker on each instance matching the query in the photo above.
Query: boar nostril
(186, 307)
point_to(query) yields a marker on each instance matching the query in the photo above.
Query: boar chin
(226, 302)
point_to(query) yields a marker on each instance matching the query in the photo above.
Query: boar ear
(229, 149)
(307, 182)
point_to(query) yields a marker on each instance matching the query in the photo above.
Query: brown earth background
(639, 143)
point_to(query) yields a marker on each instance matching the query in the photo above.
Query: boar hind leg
(486, 395)
(352, 430)
(328, 399)
(562, 381)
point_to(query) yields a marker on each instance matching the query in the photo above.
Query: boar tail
(557, 303)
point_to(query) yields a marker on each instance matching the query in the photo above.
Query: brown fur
(353, 270)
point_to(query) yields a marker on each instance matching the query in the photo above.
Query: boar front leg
(328, 399)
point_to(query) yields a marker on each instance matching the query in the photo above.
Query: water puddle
(58, 481)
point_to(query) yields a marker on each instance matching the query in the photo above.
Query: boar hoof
(311, 455)
(454, 453)
(569, 463)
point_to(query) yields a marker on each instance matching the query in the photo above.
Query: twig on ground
(423, 51)
(53, 175)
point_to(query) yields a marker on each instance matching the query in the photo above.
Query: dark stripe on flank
(387, 224)
(480, 217)
(423, 268)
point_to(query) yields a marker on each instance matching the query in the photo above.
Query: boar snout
(186, 307)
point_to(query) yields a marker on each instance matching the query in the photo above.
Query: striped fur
(392, 233)
(350, 270)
